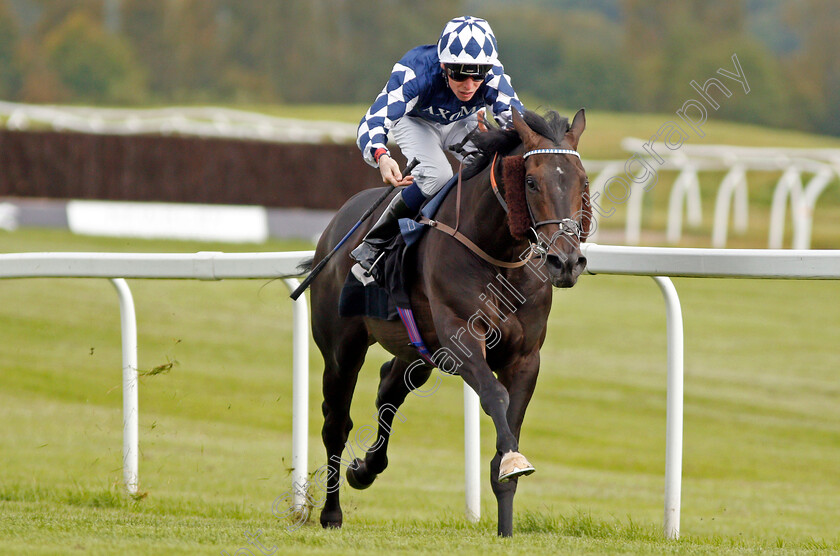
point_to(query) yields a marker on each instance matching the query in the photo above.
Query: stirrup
(366, 255)
(362, 275)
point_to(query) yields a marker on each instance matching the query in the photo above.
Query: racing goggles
(462, 72)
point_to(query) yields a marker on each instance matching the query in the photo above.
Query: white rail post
(596, 189)
(472, 453)
(633, 224)
(734, 182)
(131, 416)
(789, 185)
(686, 188)
(300, 395)
(674, 411)
(816, 185)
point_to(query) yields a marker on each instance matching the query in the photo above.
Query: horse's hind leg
(394, 386)
(341, 370)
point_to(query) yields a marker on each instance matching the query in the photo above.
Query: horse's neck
(482, 218)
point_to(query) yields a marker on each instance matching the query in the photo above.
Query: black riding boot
(382, 232)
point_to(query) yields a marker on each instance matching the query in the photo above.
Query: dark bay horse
(451, 287)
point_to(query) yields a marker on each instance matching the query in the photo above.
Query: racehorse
(527, 194)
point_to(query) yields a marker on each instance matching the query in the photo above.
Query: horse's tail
(306, 265)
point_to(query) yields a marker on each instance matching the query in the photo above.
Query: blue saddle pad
(411, 230)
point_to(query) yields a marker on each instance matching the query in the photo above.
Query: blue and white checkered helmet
(467, 40)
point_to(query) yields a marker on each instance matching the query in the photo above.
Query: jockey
(430, 102)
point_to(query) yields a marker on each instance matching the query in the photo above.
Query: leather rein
(568, 226)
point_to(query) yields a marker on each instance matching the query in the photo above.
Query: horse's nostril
(555, 261)
(569, 263)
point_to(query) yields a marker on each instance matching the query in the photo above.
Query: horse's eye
(531, 183)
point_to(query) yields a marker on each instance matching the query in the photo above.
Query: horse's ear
(578, 125)
(529, 138)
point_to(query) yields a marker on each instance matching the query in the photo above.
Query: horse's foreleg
(469, 351)
(338, 384)
(394, 386)
(519, 380)
(494, 401)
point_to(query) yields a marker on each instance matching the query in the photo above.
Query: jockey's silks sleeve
(417, 87)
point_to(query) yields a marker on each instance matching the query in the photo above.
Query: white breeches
(429, 142)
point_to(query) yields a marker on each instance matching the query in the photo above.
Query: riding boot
(385, 229)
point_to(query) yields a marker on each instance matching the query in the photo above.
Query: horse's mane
(488, 143)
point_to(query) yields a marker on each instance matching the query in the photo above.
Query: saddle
(392, 275)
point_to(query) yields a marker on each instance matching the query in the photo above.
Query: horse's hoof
(331, 520)
(513, 465)
(355, 480)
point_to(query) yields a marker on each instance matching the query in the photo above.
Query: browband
(551, 151)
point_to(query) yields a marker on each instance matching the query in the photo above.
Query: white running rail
(662, 263)
(196, 266)
(822, 164)
(659, 263)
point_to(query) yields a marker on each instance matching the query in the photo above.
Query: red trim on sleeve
(379, 152)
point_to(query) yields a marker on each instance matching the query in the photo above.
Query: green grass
(762, 423)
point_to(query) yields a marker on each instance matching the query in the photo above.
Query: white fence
(822, 165)
(205, 121)
(197, 266)
(659, 263)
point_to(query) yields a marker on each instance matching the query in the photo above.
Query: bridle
(568, 226)
(539, 248)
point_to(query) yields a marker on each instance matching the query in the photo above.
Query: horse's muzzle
(563, 271)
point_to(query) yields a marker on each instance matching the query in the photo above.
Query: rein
(495, 185)
(467, 242)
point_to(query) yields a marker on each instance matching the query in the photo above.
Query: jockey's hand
(390, 171)
(482, 121)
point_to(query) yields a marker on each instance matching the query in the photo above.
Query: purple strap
(414, 337)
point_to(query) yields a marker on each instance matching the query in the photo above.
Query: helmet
(467, 40)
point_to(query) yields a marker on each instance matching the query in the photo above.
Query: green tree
(815, 69)
(192, 33)
(251, 49)
(322, 50)
(91, 64)
(565, 58)
(10, 74)
(661, 37)
(53, 13)
(144, 25)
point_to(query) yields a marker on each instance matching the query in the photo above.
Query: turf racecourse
(762, 423)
